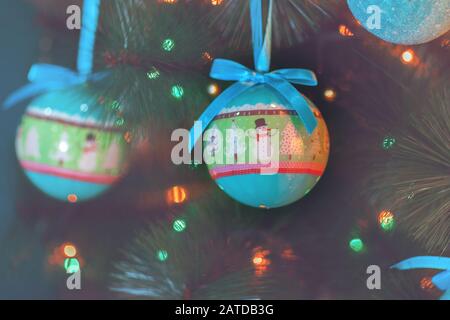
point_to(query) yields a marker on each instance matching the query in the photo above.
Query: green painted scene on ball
(67, 148)
(259, 153)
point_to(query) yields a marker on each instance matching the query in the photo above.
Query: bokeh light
(162, 255)
(408, 56)
(153, 74)
(386, 220)
(260, 260)
(179, 225)
(388, 142)
(356, 244)
(206, 56)
(426, 283)
(176, 195)
(168, 45)
(72, 198)
(213, 89)
(329, 94)
(345, 31)
(72, 265)
(177, 92)
(69, 250)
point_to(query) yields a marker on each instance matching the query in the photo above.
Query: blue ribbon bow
(280, 80)
(47, 77)
(440, 280)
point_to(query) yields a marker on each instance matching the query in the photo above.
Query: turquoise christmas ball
(257, 123)
(403, 21)
(67, 148)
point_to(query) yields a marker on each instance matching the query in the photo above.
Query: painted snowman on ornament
(67, 148)
(295, 164)
(62, 153)
(88, 160)
(263, 150)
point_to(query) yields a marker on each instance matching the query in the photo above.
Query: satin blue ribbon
(47, 77)
(440, 280)
(280, 80)
(91, 11)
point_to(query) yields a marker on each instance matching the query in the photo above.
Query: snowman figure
(213, 142)
(235, 147)
(112, 157)
(32, 144)
(263, 145)
(88, 161)
(62, 155)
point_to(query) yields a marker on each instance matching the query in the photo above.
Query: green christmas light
(153, 74)
(115, 105)
(388, 225)
(356, 245)
(120, 122)
(388, 142)
(179, 225)
(177, 92)
(72, 265)
(168, 45)
(386, 220)
(162, 255)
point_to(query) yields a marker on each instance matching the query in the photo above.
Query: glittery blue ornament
(298, 159)
(403, 21)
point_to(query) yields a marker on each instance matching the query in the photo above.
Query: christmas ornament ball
(259, 153)
(403, 21)
(67, 149)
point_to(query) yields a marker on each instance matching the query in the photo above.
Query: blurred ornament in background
(240, 170)
(296, 20)
(66, 148)
(403, 21)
